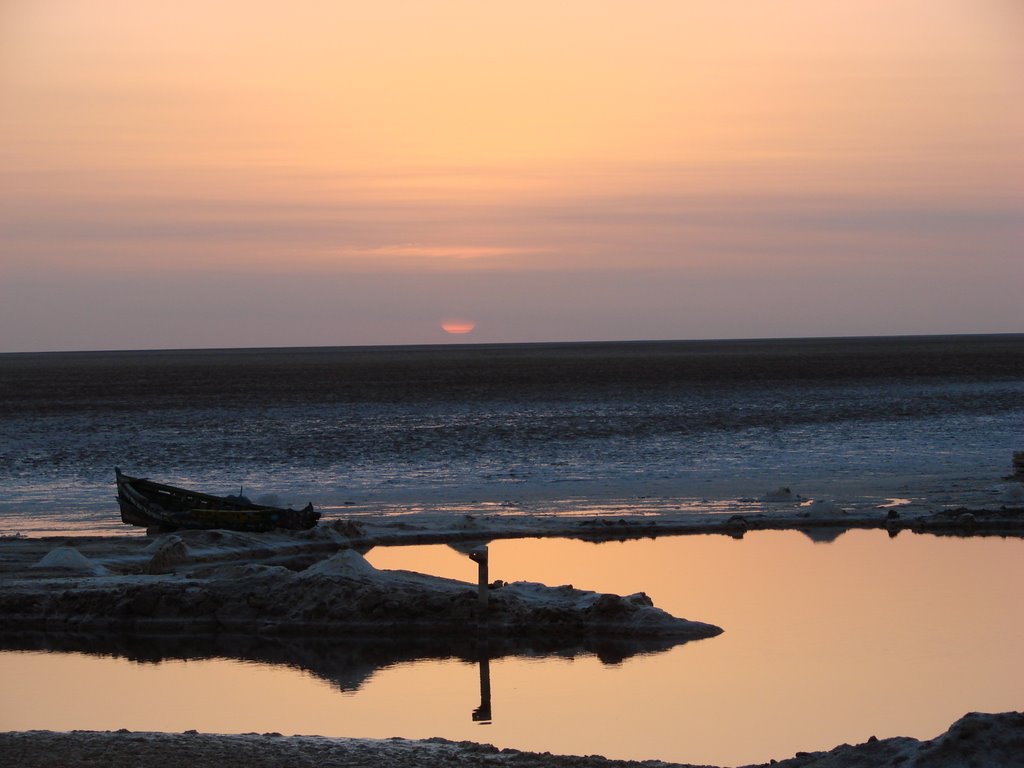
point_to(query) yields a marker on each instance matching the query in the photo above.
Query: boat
(155, 505)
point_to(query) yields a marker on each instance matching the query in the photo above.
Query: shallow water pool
(824, 643)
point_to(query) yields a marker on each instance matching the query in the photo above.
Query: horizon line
(493, 344)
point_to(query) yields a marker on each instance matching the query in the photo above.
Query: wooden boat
(150, 504)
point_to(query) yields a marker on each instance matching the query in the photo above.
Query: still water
(824, 643)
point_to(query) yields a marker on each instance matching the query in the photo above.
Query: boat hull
(155, 505)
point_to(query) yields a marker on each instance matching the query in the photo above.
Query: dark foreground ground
(974, 740)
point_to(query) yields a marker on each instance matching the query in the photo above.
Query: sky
(238, 174)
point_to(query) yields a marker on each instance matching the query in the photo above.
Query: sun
(457, 325)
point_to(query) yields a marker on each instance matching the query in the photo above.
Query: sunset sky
(197, 174)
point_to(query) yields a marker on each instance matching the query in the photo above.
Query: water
(823, 644)
(552, 427)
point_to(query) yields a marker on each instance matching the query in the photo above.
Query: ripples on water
(599, 420)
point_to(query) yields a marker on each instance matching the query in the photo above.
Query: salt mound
(250, 571)
(347, 562)
(171, 551)
(70, 559)
(779, 494)
(822, 508)
(156, 543)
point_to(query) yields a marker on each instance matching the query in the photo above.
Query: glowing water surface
(824, 643)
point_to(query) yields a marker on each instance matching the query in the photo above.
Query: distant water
(544, 427)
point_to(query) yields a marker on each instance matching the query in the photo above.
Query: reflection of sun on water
(455, 325)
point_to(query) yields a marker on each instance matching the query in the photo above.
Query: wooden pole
(479, 556)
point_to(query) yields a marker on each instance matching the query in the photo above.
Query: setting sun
(457, 326)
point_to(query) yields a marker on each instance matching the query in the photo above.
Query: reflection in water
(823, 535)
(482, 714)
(823, 644)
(346, 663)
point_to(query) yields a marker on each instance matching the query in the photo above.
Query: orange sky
(835, 167)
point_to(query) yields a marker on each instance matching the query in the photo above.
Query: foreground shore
(314, 583)
(974, 740)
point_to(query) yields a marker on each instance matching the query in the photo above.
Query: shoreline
(296, 583)
(317, 580)
(672, 508)
(396, 525)
(974, 739)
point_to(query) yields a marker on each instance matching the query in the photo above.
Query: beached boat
(150, 504)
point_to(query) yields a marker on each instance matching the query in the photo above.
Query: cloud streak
(598, 228)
